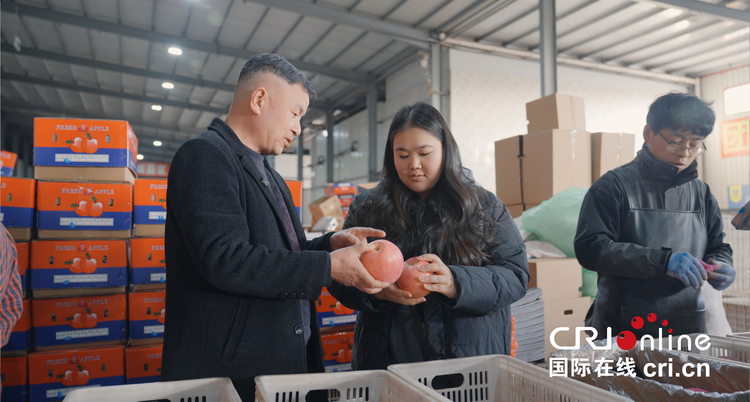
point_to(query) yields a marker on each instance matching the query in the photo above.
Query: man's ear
(258, 100)
(648, 134)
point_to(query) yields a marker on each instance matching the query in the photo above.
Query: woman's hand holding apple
(352, 236)
(397, 295)
(442, 281)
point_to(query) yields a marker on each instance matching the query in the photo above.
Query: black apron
(619, 299)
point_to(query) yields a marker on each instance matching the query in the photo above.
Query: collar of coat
(664, 172)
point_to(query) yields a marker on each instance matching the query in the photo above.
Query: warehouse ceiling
(111, 58)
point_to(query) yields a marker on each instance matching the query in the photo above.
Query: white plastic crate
(738, 313)
(497, 378)
(720, 348)
(203, 390)
(741, 335)
(360, 386)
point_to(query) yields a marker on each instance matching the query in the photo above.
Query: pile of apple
(386, 263)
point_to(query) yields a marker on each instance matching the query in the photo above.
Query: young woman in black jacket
(430, 207)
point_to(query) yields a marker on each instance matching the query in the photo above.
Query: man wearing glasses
(645, 227)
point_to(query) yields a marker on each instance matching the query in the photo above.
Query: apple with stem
(385, 262)
(96, 208)
(89, 266)
(75, 265)
(67, 378)
(76, 321)
(76, 145)
(82, 376)
(91, 319)
(91, 145)
(81, 209)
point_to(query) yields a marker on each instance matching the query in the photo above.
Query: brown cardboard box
(610, 150)
(326, 206)
(553, 161)
(556, 111)
(88, 174)
(515, 210)
(569, 313)
(508, 170)
(527, 207)
(149, 230)
(20, 234)
(366, 186)
(559, 278)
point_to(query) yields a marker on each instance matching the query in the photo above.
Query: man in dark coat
(242, 276)
(645, 228)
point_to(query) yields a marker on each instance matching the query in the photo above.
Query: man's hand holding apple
(347, 269)
(352, 236)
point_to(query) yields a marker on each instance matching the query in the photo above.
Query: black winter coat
(477, 322)
(235, 285)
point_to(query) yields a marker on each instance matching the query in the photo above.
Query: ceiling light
(319, 121)
(156, 107)
(175, 51)
(139, 157)
(680, 25)
(336, 112)
(167, 85)
(325, 133)
(157, 143)
(672, 12)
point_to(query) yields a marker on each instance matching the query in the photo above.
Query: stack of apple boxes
(78, 264)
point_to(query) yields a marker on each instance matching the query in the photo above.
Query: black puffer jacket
(477, 322)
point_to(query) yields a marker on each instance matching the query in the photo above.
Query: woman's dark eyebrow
(423, 146)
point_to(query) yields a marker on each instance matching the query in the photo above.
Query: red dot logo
(636, 322)
(664, 323)
(626, 340)
(651, 317)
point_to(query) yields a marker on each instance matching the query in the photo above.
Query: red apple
(82, 377)
(161, 316)
(409, 280)
(89, 266)
(95, 208)
(91, 145)
(82, 209)
(75, 266)
(90, 321)
(68, 379)
(77, 321)
(385, 262)
(77, 145)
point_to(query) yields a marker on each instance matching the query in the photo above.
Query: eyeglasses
(678, 149)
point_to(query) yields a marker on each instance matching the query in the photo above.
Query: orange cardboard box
(22, 248)
(75, 320)
(15, 377)
(82, 143)
(295, 187)
(143, 364)
(340, 189)
(52, 375)
(80, 207)
(150, 202)
(337, 351)
(331, 312)
(346, 200)
(65, 264)
(20, 338)
(17, 197)
(147, 261)
(7, 163)
(146, 313)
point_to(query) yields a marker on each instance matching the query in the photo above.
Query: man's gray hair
(277, 65)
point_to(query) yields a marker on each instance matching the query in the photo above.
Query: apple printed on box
(143, 364)
(337, 351)
(20, 338)
(17, 197)
(84, 206)
(87, 143)
(15, 377)
(82, 319)
(331, 312)
(52, 375)
(150, 202)
(63, 264)
(147, 261)
(146, 314)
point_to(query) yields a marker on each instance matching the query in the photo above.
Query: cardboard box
(87, 174)
(17, 198)
(52, 375)
(610, 150)
(515, 210)
(366, 186)
(146, 314)
(147, 262)
(20, 338)
(331, 312)
(508, 153)
(143, 364)
(346, 200)
(569, 313)
(84, 210)
(556, 111)
(153, 169)
(83, 143)
(559, 278)
(15, 378)
(337, 351)
(20, 234)
(329, 205)
(340, 189)
(295, 187)
(554, 161)
(149, 206)
(71, 264)
(22, 248)
(68, 322)
(7, 163)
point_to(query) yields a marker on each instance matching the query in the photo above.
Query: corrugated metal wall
(719, 173)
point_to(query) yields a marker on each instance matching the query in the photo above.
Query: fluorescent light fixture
(325, 133)
(336, 112)
(680, 25)
(737, 99)
(156, 107)
(175, 50)
(139, 157)
(157, 143)
(167, 85)
(672, 12)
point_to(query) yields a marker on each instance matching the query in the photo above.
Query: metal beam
(436, 75)
(114, 94)
(396, 63)
(612, 29)
(587, 24)
(739, 39)
(172, 40)
(506, 24)
(548, 46)
(372, 132)
(479, 18)
(643, 46)
(560, 17)
(329, 146)
(715, 10)
(464, 15)
(387, 28)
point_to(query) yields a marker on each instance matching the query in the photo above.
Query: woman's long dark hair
(453, 231)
